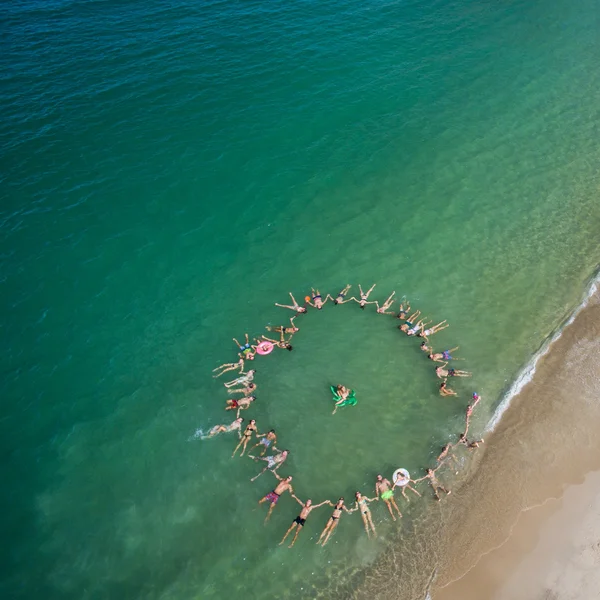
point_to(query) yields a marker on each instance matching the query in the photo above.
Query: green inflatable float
(349, 401)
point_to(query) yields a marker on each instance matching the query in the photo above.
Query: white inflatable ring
(401, 477)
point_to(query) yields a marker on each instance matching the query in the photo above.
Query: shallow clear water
(170, 172)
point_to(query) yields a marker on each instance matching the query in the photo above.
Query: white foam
(526, 375)
(197, 434)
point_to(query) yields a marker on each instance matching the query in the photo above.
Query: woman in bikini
(250, 429)
(229, 367)
(469, 412)
(445, 390)
(284, 330)
(340, 299)
(333, 521)
(446, 355)
(244, 379)
(364, 296)
(295, 306)
(382, 310)
(317, 300)
(280, 343)
(247, 352)
(242, 404)
(362, 504)
(266, 440)
(217, 429)
(435, 329)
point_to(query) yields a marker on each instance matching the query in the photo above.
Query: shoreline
(553, 551)
(535, 460)
(528, 371)
(546, 445)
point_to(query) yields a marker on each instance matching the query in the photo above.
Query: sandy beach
(527, 526)
(524, 522)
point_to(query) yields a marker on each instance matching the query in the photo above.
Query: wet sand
(528, 524)
(524, 521)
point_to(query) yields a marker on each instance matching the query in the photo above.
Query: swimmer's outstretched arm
(298, 500)
(321, 504)
(268, 339)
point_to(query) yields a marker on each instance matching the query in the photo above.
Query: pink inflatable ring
(265, 348)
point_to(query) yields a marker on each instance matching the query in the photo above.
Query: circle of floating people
(270, 458)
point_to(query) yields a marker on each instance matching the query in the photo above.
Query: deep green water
(169, 171)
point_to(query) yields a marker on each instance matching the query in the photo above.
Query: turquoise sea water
(169, 171)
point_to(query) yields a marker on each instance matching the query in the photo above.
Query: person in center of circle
(344, 398)
(362, 504)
